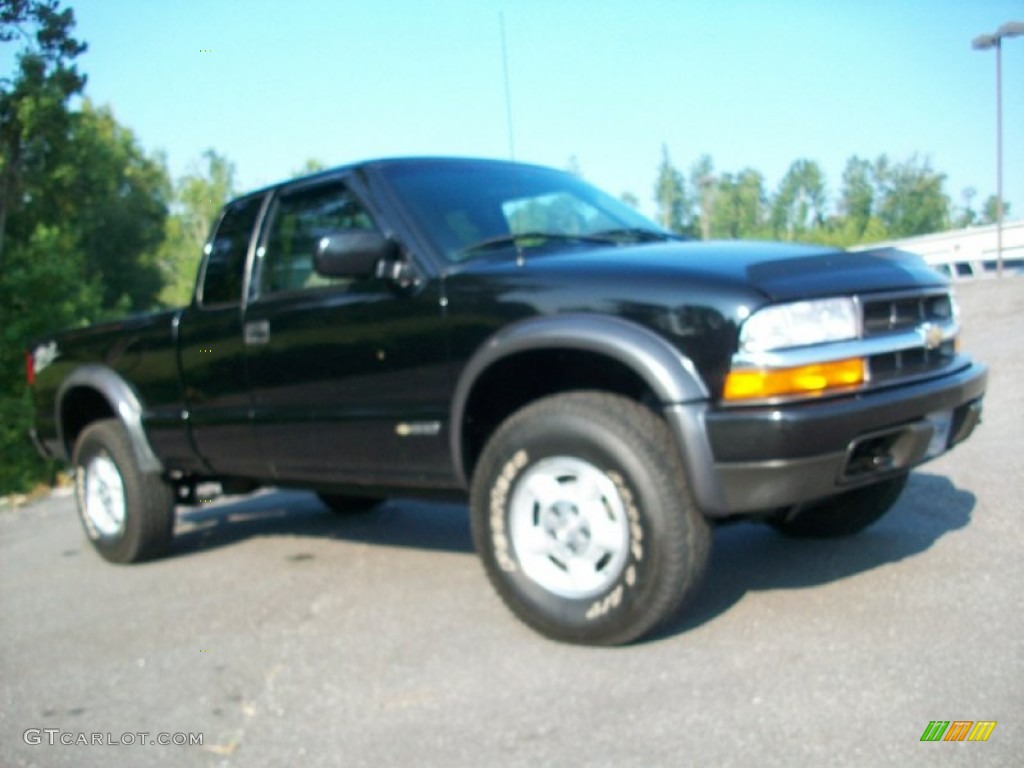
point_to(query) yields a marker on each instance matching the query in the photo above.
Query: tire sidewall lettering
(588, 610)
(500, 545)
(656, 538)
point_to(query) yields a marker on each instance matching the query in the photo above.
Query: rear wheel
(842, 515)
(583, 520)
(127, 514)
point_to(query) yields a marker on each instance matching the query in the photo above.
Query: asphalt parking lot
(286, 636)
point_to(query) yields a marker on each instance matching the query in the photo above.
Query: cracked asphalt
(287, 636)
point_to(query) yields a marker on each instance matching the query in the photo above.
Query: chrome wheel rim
(569, 527)
(103, 497)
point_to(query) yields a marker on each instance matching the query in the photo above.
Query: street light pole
(983, 43)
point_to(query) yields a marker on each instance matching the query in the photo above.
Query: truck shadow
(750, 556)
(396, 523)
(746, 556)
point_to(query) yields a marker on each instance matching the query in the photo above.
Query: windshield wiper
(636, 235)
(523, 240)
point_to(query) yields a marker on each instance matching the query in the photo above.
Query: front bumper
(758, 459)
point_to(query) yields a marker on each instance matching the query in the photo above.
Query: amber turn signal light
(761, 383)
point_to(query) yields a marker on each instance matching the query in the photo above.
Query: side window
(297, 223)
(225, 266)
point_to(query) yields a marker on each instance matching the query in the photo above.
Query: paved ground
(286, 636)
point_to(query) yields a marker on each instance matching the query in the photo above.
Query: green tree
(34, 115)
(42, 275)
(674, 208)
(703, 181)
(312, 165)
(42, 287)
(799, 203)
(857, 218)
(82, 211)
(913, 200)
(857, 198)
(740, 206)
(990, 210)
(198, 197)
(115, 197)
(965, 215)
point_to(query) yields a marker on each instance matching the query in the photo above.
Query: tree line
(878, 200)
(92, 226)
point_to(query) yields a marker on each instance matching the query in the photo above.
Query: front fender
(670, 375)
(123, 400)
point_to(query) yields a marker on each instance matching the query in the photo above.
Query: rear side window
(225, 266)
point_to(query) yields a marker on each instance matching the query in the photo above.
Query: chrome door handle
(257, 332)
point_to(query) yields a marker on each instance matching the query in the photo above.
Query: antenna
(508, 90)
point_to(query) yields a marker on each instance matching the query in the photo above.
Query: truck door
(211, 349)
(349, 376)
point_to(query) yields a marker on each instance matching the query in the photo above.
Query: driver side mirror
(352, 253)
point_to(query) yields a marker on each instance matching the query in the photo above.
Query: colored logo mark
(958, 730)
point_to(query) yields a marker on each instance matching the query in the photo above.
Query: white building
(966, 253)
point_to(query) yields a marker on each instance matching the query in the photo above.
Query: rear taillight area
(30, 369)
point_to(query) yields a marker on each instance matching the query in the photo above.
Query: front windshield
(473, 209)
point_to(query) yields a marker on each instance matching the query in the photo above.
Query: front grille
(898, 316)
(910, 362)
(904, 313)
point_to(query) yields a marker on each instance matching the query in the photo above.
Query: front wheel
(842, 515)
(127, 514)
(583, 519)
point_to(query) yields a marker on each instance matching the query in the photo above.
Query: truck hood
(781, 272)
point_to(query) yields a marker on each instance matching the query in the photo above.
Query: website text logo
(958, 730)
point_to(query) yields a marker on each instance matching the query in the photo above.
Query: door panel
(217, 391)
(338, 366)
(340, 375)
(212, 354)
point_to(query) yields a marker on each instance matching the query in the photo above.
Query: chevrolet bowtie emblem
(931, 335)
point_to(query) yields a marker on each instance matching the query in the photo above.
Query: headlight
(759, 372)
(799, 324)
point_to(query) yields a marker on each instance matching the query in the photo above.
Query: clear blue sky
(756, 84)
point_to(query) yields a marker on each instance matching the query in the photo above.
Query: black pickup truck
(602, 391)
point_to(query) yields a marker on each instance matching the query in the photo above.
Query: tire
(349, 505)
(127, 514)
(583, 520)
(842, 515)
